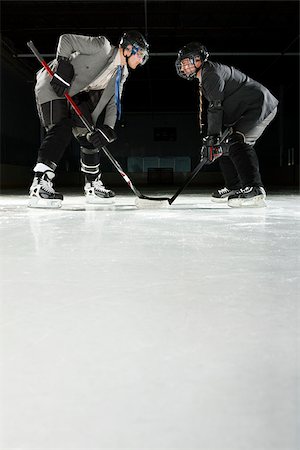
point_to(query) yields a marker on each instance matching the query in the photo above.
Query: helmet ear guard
(191, 51)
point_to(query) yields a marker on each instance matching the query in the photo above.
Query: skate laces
(257, 190)
(98, 185)
(46, 183)
(246, 190)
(223, 191)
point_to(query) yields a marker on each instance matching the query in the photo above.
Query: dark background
(159, 109)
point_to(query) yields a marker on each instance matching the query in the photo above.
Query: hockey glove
(211, 149)
(61, 80)
(101, 136)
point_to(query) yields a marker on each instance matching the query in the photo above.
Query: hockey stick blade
(159, 199)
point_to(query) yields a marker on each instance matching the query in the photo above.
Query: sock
(41, 167)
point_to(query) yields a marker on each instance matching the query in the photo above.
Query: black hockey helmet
(138, 42)
(192, 51)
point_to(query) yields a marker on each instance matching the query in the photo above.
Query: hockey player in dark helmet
(234, 100)
(187, 58)
(93, 72)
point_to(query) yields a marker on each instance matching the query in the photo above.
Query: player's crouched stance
(93, 72)
(234, 101)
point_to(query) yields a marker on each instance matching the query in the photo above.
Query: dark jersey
(244, 102)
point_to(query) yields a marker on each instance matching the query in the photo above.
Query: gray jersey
(90, 56)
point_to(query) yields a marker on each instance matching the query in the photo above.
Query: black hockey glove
(61, 80)
(101, 136)
(211, 149)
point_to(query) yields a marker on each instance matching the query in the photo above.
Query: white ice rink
(150, 329)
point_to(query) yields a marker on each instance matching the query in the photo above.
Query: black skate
(221, 195)
(42, 194)
(249, 197)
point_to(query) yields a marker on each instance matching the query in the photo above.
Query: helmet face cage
(192, 52)
(139, 45)
(142, 52)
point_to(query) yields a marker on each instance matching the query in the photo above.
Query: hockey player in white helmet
(237, 101)
(93, 72)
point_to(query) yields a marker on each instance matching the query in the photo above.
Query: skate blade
(100, 200)
(258, 202)
(219, 200)
(35, 202)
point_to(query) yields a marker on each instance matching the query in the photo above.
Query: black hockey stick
(91, 128)
(191, 177)
(197, 169)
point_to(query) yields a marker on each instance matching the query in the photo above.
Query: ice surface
(150, 329)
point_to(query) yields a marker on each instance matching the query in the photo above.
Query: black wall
(159, 109)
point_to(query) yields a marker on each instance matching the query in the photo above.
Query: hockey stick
(191, 177)
(197, 169)
(91, 128)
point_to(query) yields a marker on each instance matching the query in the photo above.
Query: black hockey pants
(59, 119)
(241, 167)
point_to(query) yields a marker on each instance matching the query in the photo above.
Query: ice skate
(249, 197)
(42, 193)
(96, 192)
(221, 195)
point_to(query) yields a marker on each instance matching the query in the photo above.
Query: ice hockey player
(93, 72)
(234, 100)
